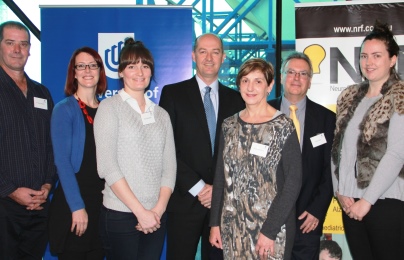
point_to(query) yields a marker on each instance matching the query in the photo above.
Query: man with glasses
(315, 128)
(26, 157)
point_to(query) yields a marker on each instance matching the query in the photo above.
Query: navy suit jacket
(316, 192)
(184, 104)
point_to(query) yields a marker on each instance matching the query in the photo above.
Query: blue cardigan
(68, 137)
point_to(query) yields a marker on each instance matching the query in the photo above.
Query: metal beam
(230, 16)
(278, 53)
(24, 19)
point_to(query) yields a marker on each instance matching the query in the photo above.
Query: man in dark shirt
(26, 158)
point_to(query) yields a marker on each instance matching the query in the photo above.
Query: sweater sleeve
(391, 163)
(218, 187)
(62, 135)
(289, 181)
(169, 161)
(106, 132)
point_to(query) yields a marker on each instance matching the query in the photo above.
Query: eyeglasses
(302, 74)
(92, 66)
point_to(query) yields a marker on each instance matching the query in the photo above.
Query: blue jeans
(122, 241)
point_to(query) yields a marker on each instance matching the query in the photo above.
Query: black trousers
(183, 234)
(23, 232)
(380, 234)
(306, 246)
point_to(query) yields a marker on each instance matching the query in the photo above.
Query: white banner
(331, 35)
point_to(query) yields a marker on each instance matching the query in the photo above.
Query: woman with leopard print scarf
(368, 152)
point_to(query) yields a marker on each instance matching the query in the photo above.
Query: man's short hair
(299, 56)
(334, 250)
(215, 35)
(13, 24)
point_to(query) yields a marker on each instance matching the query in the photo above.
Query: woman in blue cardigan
(76, 203)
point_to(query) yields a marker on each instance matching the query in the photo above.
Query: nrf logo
(109, 48)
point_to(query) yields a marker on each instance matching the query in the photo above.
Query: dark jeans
(23, 233)
(97, 254)
(122, 241)
(380, 234)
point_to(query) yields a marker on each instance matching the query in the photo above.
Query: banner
(331, 35)
(165, 30)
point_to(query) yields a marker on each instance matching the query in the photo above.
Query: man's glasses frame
(302, 74)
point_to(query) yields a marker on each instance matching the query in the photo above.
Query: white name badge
(318, 140)
(41, 103)
(148, 118)
(259, 149)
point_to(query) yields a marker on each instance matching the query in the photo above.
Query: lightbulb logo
(109, 48)
(316, 54)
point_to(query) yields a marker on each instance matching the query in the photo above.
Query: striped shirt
(26, 155)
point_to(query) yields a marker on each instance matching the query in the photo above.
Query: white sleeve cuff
(197, 188)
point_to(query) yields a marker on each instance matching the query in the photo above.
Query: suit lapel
(222, 107)
(195, 99)
(310, 126)
(222, 113)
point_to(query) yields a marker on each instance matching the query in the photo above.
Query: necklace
(84, 109)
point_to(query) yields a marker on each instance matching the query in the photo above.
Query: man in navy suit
(188, 209)
(316, 136)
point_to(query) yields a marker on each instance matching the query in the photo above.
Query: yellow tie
(293, 116)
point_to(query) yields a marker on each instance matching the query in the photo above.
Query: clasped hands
(148, 221)
(356, 210)
(32, 199)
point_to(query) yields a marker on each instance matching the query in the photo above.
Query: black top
(91, 186)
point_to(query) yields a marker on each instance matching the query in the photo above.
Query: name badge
(259, 149)
(41, 103)
(148, 118)
(318, 140)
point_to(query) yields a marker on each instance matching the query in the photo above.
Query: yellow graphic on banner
(333, 220)
(316, 53)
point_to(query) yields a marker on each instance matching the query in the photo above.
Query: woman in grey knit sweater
(136, 157)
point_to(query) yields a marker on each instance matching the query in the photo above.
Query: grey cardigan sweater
(142, 154)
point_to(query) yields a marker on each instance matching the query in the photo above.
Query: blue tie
(210, 116)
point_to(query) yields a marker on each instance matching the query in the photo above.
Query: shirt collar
(214, 86)
(301, 105)
(127, 98)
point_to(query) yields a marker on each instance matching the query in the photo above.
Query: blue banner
(166, 32)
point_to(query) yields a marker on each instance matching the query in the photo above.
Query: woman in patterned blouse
(258, 178)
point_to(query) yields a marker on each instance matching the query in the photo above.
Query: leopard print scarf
(372, 141)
